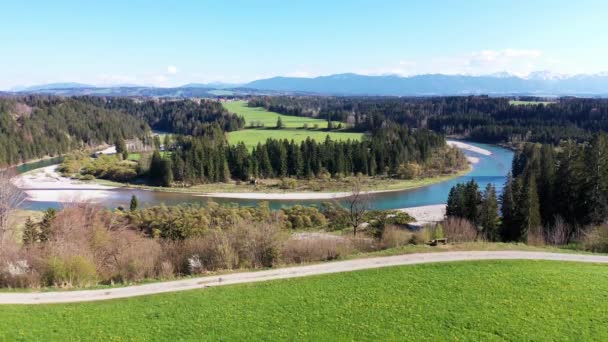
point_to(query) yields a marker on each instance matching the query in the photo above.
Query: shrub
(419, 237)
(315, 248)
(336, 215)
(132, 257)
(395, 237)
(435, 231)
(288, 183)
(459, 230)
(70, 271)
(596, 239)
(409, 171)
(559, 233)
(300, 217)
(363, 244)
(15, 268)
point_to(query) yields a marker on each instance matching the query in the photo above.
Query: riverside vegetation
(86, 245)
(393, 152)
(575, 173)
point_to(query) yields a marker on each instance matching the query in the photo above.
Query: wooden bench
(435, 242)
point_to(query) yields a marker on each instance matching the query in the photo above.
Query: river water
(490, 169)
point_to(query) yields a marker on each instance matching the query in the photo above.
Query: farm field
(293, 129)
(481, 300)
(269, 119)
(251, 137)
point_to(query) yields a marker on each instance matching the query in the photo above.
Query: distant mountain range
(437, 84)
(539, 83)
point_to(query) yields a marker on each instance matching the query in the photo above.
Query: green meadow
(481, 300)
(529, 103)
(251, 137)
(269, 119)
(293, 127)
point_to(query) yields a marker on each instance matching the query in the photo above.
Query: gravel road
(283, 273)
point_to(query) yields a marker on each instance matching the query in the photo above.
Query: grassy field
(269, 119)
(293, 127)
(529, 103)
(486, 300)
(251, 137)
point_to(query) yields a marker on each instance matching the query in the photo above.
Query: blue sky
(171, 43)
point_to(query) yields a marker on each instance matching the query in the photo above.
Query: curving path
(283, 273)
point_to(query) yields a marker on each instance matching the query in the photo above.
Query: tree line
(554, 193)
(37, 126)
(481, 118)
(395, 151)
(188, 117)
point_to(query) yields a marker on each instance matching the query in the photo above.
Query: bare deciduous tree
(10, 198)
(358, 205)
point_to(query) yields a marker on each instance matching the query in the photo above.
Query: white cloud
(516, 61)
(171, 70)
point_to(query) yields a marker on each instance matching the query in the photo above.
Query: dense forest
(481, 118)
(554, 194)
(189, 117)
(395, 151)
(37, 126)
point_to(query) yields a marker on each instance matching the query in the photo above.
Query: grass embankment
(293, 127)
(485, 300)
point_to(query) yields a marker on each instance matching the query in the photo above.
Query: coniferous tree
(31, 233)
(121, 148)
(596, 182)
(166, 172)
(529, 211)
(456, 205)
(472, 201)
(488, 216)
(156, 167)
(134, 203)
(45, 232)
(568, 187)
(509, 223)
(546, 185)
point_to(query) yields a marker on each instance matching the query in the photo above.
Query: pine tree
(472, 201)
(596, 183)
(166, 172)
(31, 233)
(121, 147)
(456, 202)
(45, 231)
(509, 224)
(156, 167)
(568, 189)
(134, 203)
(529, 211)
(488, 216)
(546, 185)
(279, 123)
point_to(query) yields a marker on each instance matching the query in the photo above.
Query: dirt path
(282, 273)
